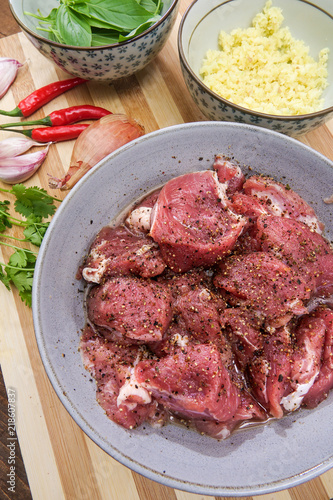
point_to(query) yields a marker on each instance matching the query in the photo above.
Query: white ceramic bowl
(259, 460)
(311, 22)
(106, 63)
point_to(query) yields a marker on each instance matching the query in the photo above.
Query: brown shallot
(100, 139)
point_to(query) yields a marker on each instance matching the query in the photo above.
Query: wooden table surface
(50, 447)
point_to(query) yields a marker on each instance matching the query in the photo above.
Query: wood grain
(61, 461)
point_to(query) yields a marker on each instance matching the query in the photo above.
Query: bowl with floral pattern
(308, 22)
(100, 63)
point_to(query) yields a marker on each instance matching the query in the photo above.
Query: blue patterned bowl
(311, 22)
(105, 63)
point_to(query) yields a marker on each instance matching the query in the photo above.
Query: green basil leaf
(81, 22)
(73, 28)
(53, 33)
(47, 19)
(124, 14)
(104, 37)
(140, 29)
(96, 23)
(84, 8)
(151, 6)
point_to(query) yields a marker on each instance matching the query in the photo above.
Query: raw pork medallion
(210, 304)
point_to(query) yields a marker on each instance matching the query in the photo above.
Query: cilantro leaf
(26, 297)
(33, 201)
(4, 278)
(18, 259)
(35, 230)
(20, 272)
(21, 278)
(4, 216)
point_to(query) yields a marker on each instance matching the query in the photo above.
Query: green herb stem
(13, 220)
(25, 269)
(8, 236)
(17, 248)
(18, 222)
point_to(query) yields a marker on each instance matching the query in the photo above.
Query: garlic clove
(8, 72)
(19, 168)
(14, 146)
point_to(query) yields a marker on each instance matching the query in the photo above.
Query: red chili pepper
(66, 116)
(42, 96)
(53, 134)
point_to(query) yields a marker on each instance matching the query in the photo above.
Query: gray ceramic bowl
(311, 22)
(106, 63)
(259, 460)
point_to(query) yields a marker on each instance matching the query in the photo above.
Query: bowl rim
(258, 114)
(87, 48)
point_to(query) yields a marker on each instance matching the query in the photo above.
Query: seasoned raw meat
(111, 365)
(179, 284)
(247, 205)
(248, 242)
(199, 310)
(263, 283)
(191, 221)
(211, 303)
(196, 306)
(228, 174)
(138, 220)
(280, 200)
(306, 359)
(134, 308)
(175, 336)
(270, 372)
(243, 328)
(305, 251)
(324, 382)
(248, 410)
(192, 382)
(115, 251)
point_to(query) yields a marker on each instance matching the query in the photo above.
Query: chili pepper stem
(13, 112)
(27, 133)
(42, 121)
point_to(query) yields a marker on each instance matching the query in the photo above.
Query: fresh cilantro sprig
(35, 205)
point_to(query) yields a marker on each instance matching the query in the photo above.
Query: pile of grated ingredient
(264, 69)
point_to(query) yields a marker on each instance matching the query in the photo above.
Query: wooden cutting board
(61, 461)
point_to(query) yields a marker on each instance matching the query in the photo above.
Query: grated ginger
(264, 69)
